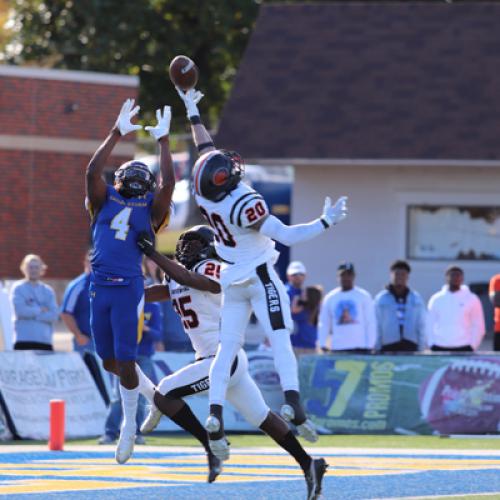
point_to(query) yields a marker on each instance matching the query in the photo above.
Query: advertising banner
(420, 394)
(29, 380)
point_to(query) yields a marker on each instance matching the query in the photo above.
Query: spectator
(304, 333)
(455, 316)
(400, 313)
(348, 315)
(153, 276)
(76, 309)
(151, 334)
(495, 299)
(6, 333)
(35, 307)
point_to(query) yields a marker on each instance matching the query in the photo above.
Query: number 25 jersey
(114, 234)
(241, 247)
(199, 311)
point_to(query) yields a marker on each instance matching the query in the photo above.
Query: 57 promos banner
(403, 394)
(29, 380)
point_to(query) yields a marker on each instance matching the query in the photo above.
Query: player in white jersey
(245, 233)
(195, 292)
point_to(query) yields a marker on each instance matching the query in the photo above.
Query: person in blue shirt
(119, 213)
(75, 310)
(151, 334)
(304, 312)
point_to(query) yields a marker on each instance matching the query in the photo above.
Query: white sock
(129, 406)
(220, 371)
(146, 387)
(285, 361)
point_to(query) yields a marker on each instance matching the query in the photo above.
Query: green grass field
(343, 441)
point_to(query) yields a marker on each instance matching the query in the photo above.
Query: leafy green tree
(136, 37)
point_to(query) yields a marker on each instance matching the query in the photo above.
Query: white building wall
(374, 234)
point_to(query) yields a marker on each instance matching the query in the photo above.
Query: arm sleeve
(477, 323)
(378, 318)
(324, 324)
(21, 308)
(154, 323)
(290, 235)
(422, 325)
(431, 321)
(371, 323)
(53, 311)
(71, 298)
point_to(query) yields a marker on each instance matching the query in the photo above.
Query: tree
(138, 38)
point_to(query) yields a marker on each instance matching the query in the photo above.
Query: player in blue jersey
(119, 213)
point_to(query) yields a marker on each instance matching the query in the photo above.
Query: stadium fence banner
(261, 367)
(407, 394)
(30, 379)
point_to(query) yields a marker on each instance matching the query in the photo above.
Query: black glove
(146, 243)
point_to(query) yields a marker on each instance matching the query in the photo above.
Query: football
(463, 397)
(183, 72)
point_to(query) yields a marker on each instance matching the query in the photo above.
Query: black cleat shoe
(314, 478)
(214, 467)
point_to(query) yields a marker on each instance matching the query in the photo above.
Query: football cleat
(314, 478)
(220, 448)
(125, 446)
(152, 420)
(308, 431)
(214, 467)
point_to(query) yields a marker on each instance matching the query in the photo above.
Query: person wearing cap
(456, 320)
(494, 292)
(347, 315)
(401, 313)
(304, 309)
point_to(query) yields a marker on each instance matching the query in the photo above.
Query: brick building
(52, 122)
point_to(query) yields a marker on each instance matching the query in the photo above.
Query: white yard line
(259, 450)
(427, 497)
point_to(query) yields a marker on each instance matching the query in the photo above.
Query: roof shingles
(360, 80)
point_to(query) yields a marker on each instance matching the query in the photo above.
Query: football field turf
(361, 467)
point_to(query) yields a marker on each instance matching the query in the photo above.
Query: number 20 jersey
(199, 311)
(242, 248)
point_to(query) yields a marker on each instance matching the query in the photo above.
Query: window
(448, 232)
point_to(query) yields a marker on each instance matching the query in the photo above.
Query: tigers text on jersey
(199, 311)
(241, 247)
(114, 233)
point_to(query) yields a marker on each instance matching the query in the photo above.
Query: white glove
(191, 98)
(333, 215)
(123, 122)
(162, 128)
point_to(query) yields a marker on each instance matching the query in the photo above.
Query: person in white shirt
(456, 319)
(347, 315)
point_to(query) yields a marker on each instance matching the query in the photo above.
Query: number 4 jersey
(114, 233)
(199, 311)
(242, 248)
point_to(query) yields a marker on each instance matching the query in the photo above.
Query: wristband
(325, 224)
(195, 120)
(205, 145)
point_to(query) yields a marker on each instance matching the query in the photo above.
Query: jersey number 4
(120, 223)
(189, 317)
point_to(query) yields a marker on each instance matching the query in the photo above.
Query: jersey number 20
(120, 223)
